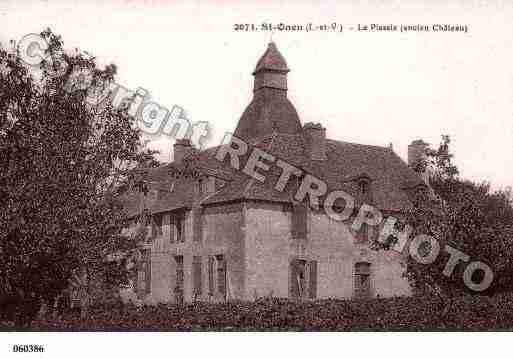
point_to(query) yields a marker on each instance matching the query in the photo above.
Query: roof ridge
(359, 144)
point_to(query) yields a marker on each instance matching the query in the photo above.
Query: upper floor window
(180, 226)
(201, 188)
(177, 226)
(299, 221)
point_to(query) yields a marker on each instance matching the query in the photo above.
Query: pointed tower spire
(270, 111)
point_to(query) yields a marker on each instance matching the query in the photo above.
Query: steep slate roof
(270, 122)
(346, 163)
(270, 110)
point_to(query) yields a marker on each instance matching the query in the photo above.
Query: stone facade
(255, 240)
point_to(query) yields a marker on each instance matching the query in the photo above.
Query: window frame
(306, 287)
(358, 275)
(197, 276)
(179, 222)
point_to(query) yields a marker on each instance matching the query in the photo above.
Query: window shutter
(178, 288)
(196, 268)
(171, 228)
(140, 276)
(147, 261)
(198, 228)
(313, 279)
(157, 225)
(153, 227)
(211, 275)
(294, 285)
(180, 227)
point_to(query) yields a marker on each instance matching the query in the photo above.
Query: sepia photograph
(215, 174)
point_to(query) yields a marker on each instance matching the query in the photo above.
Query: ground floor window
(362, 277)
(303, 279)
(221, 275)
(196, 276)
(217, 276)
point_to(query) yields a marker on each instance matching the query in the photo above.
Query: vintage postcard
(257, 167)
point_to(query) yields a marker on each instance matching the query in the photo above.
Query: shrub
(272, 314)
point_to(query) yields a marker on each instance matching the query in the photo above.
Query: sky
(366, 87)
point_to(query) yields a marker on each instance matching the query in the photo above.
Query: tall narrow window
(196, 276)
(362, 285)
(221, 275)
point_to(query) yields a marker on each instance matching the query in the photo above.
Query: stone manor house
(215, 233)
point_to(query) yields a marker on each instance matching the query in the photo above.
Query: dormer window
(421, 194)
(206, 185)
(363, 187)
(200, 186)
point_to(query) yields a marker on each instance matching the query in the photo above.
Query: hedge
(471, 313)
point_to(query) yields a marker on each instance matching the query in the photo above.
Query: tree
(63, 164)
(469, 217)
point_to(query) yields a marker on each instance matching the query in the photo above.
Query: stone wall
(270, 249)
(221, 235)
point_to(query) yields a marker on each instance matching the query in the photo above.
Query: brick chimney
(181, 148)
(416, 157)
(315, 136)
